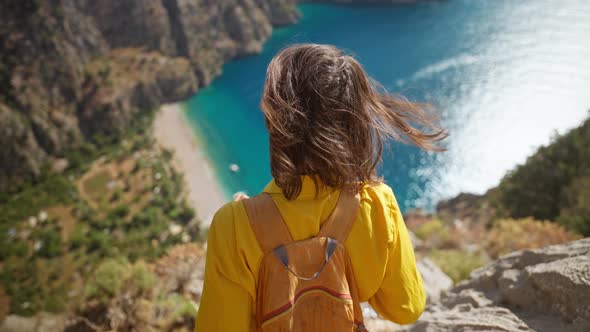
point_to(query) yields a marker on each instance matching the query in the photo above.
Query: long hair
(326, 118)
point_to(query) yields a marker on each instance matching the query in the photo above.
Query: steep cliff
(72, 69)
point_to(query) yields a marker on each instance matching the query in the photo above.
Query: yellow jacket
(378, 245)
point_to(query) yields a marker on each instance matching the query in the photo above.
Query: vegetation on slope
(553, 184)
(118, 198)
(542, 202)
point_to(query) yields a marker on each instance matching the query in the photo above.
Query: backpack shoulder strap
(266, 221)
(339, 223)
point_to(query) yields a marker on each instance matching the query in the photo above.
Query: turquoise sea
(505, 76)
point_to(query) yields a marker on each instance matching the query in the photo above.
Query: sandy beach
(173, 132)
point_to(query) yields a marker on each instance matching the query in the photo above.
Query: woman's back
(327, 123)
(378, 245)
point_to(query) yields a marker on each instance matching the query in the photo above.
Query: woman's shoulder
(228, 215)
(230, 226)
(380, 206)
(380, 193)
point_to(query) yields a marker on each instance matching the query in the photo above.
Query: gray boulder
(544, 289)
(42, 322)
(435, 280)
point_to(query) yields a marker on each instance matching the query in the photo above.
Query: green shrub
(51, 245)
(80, 157)
(30, 200)
(457, 264)
(115, 196)
(167, 155)
(188, 214)
(186, 310)
(107, 281)
(547, 186)
(149, 216)
(78, 238)
(142, 279)
(54, 303)
(139, 165)
(100, 243)
(178, 305)
(13, 248)
(429, 228)
(575, 213)
(119, 212)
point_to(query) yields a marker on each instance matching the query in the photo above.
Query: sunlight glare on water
(528, 78)
(505, 76)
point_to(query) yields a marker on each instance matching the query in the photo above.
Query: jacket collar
(308, 190)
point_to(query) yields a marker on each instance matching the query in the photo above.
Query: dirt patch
(119, 182)
(65, 218)
(94, 185)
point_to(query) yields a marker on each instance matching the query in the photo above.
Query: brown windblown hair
(326, 118)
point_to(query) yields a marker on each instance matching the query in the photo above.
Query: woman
(327, 122)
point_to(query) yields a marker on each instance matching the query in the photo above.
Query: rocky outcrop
(543, 290)
(71, 69)
(434, 279)
(128, 81)
(435, 282)
(42, 322)
(472, 209)
(20, 151)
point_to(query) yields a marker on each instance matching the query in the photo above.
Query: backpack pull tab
(281, 253)
(360, 327)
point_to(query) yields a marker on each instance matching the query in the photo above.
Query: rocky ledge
(545, 289)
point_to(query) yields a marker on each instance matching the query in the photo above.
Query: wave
(454, 62)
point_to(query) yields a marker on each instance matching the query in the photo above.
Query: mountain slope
(74, 69)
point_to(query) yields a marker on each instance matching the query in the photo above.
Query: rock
(435, 282)
(468, 318)
(182, 270)
(126, 82)
(174, 229)
(434, 279)
(20, 156)
(544, 289)
(417, 243)
(374, 323)
(280, 12)
(42, 322)
(59, 165)
(470, 208)
(14, 323)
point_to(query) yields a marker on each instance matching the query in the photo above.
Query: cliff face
(71, 69)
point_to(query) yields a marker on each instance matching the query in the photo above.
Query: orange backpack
(306, 285)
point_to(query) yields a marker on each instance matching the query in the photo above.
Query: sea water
(505, 77)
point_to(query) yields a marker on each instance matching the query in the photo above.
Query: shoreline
(204, 192)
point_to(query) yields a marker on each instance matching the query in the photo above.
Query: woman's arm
(227, 298)
(401, 298)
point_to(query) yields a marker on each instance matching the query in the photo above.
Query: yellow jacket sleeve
(229, 286)
(401, 297)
